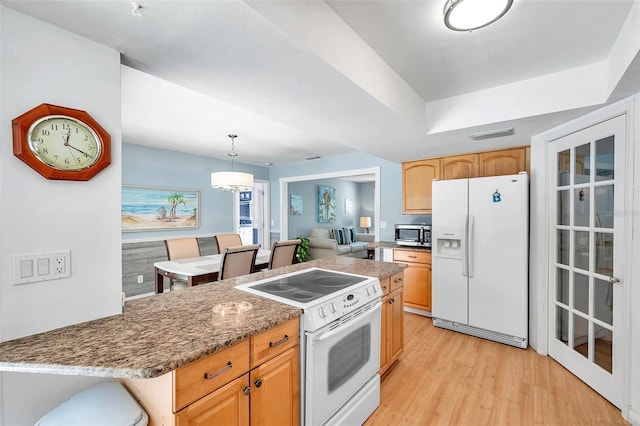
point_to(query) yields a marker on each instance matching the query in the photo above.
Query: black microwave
(413, 235)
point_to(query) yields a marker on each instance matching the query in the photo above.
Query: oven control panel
(342, 304)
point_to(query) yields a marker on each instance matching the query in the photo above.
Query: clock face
(64, 143)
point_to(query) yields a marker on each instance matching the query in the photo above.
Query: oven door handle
(329, 334)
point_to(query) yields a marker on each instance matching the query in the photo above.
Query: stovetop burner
(309, 285)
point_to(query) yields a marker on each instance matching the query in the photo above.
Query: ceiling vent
(492, 134)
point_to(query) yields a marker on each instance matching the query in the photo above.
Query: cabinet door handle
(279, 342)
(391, 301)
(258, 383)
(413, 257)
(397, 280)
(208, 376)
(246, 390)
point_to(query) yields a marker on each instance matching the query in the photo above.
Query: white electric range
(339, 338)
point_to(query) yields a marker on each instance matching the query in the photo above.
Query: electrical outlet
(59, 264)
(34, 267)
(140, 279)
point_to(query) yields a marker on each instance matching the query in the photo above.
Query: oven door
(340, 359)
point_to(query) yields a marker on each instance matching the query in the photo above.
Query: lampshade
(365, 222)
(232, 181)
(468, 15)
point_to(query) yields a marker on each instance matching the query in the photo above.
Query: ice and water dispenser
(448, 241)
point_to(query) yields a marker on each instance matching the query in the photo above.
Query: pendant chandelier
(232, 181)
(469, 15)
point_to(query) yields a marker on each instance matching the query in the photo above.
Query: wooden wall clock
(61, 143)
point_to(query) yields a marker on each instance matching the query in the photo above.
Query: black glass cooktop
(308, 286)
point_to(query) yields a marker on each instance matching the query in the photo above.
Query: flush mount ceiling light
(469, 15)
(232, 181)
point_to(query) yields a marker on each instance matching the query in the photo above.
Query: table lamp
(365, 222)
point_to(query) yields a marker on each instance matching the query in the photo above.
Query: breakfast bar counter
(159, 333)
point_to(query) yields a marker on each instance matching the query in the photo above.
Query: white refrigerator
(480, 231)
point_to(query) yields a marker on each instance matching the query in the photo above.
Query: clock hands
(68, 145)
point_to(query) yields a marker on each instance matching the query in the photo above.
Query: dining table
(195, 270)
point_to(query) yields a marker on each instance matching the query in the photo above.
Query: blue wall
(361, 194)
(390, 183)
(146, 166)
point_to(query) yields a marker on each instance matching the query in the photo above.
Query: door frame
(541, 171)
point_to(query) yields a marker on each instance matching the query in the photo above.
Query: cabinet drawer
(195, 380)
(273, 342)
(412, 256)
(397, 281)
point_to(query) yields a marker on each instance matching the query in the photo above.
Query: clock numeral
(45, 132)
(66, 161)
(86, 138)
(56, 157)
(45, 151)
(41, 141)
(54, 127)
(65, 126)
(77, 131)
(78, 160)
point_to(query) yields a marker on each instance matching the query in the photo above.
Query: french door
(586, 245)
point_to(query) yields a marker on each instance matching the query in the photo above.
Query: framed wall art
(326, 204)
(159, 209)
(295, 205)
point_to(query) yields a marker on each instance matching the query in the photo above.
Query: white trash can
(104, 404)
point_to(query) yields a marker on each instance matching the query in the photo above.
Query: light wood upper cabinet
(505, 162)
(459, 166)
(416, 185)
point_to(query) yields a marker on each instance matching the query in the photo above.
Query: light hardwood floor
(448, 378)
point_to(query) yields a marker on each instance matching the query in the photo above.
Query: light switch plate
(35, 267)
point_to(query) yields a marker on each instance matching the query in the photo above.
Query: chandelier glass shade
(232, 181)
(469, 15)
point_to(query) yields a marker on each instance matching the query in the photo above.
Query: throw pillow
(339, 236)
(352, 234)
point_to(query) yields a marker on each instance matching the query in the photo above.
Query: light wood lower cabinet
(417, 278)
(392, 336)
(255, 382)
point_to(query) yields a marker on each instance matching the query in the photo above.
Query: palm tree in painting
(175, 200)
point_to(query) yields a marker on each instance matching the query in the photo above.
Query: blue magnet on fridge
(496, 197)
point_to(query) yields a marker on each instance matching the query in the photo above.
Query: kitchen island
(157, 334)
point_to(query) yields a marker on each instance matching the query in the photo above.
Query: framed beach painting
(295, 205)
(326, 204)
(159, 209)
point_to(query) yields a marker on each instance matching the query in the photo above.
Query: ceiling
(300, 79)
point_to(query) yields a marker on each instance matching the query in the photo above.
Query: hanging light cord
(232, 154)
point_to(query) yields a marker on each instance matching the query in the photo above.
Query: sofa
(323, 243)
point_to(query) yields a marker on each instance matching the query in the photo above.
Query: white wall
(40, 63)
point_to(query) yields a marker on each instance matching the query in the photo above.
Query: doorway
(284, 194)
(251, 214)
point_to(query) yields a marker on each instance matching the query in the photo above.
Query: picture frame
(348, 207)
(146, 208)
(295, 205)
(326, 204)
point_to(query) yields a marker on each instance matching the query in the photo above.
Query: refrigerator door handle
(470, 246)
(463, 246)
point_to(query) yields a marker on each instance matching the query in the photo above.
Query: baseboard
(633, 418)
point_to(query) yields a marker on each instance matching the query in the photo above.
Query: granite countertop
(157, 334)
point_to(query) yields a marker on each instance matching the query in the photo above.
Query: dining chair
(227, 240)
(283, 253)
(181, 248)
(236, 261)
